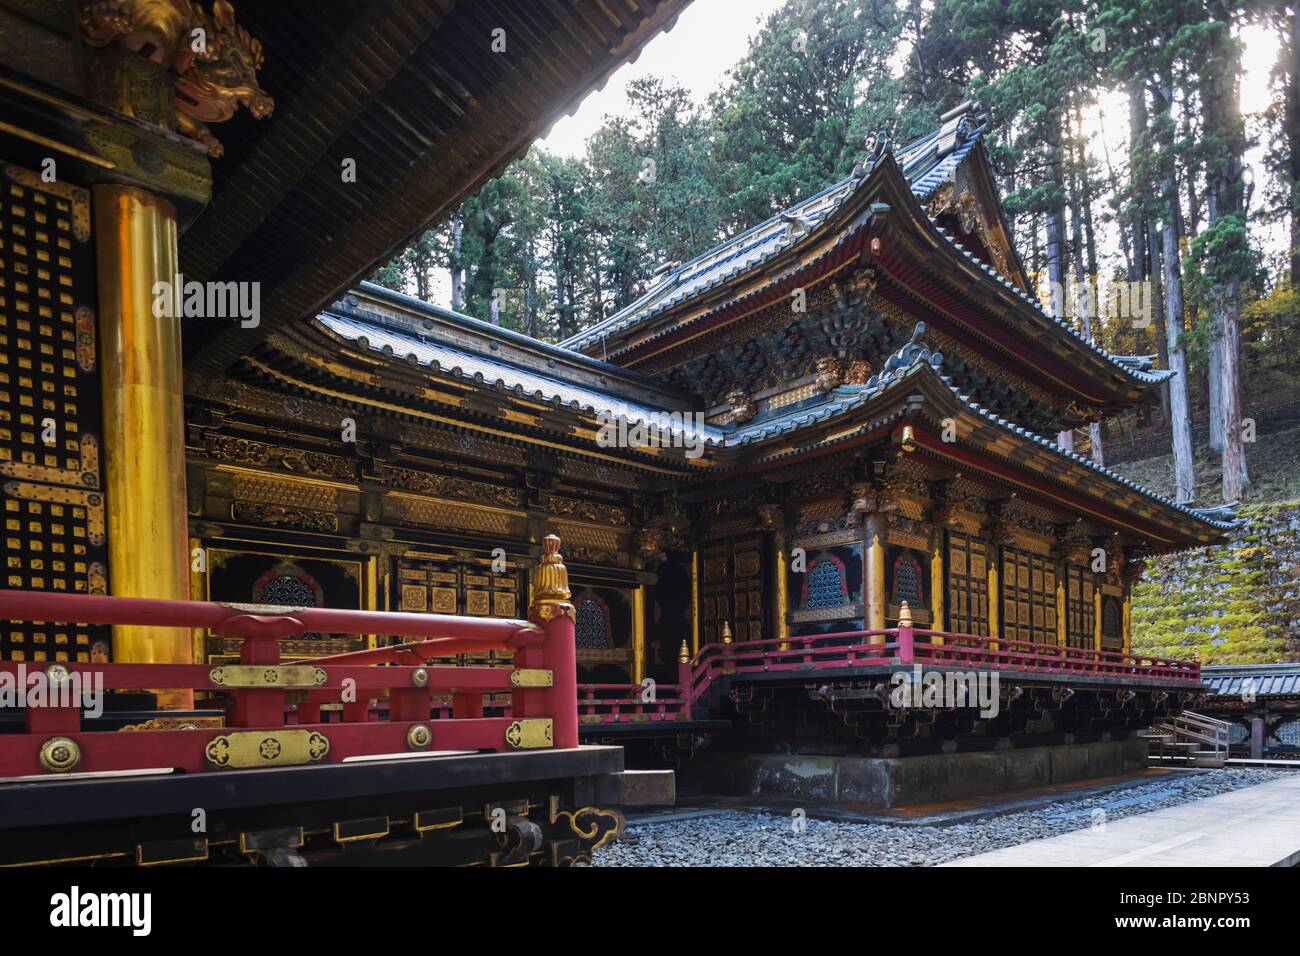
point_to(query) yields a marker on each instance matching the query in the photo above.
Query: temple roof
(551, 386)
(910, 387)
(700, 288)
(921, 161)
(1261, 680)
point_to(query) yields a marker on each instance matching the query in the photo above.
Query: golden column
(695, 601)
(782, 584)
(638, 634)
(937, 588)
(1096, 616)
(1060, 608)
(995, 599)
(144, 445)
(873, 573)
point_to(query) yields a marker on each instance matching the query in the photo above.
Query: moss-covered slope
(1236, 604)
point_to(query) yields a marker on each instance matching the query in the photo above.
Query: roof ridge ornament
(915, 352)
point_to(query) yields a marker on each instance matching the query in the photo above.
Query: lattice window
(287, 585)
(51, 498)
(968, 584)
(908, 584)
(591, 629)
(1110, 618)
(1028, 597)
(826, 584)
(1080, 610)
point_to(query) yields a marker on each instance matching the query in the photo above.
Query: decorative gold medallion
(263, 748)
(419, 736)
(530, 733)
(532, 677)
(60, 754)
(267, 675)
(420, 677)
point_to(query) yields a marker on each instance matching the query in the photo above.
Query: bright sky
(710, 37)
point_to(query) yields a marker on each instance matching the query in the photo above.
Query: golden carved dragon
(214, 60)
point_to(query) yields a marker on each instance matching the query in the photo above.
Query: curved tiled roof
(846, 397)
(1260, 680)
(506, 377)
(925, 171)
(919, 160)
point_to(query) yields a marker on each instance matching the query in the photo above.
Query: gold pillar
(782, 582)
(1128, 624)
(199, 592)
(144, 442)
(695, 601)
(995, 602)
(1096, 618)
(372, 596)
(638, 634)
(873, 576)
(1060, 611)
(937, 588)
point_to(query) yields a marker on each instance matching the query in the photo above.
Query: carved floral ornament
(211, 60)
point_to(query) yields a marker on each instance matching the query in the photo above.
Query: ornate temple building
(835, 422)
(857, 397)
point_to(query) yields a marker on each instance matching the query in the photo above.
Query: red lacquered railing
(905, 646)
(273, 717)
(629, 703)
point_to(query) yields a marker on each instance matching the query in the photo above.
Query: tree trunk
(1171, 282)
(1137, 128)
(1056, 242)
(1223, 116)
(455, 266)
(1292, 121)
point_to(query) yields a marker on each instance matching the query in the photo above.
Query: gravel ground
(755, 838)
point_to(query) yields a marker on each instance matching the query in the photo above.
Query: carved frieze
(446, 486)
(245, 451)
(586, 511)
(279, 516)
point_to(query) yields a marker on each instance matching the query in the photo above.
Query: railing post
(553, 612)
(684, 680)
(728, 652)
(906, 646)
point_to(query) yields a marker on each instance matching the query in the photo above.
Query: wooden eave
(308, 361)
(411, 91)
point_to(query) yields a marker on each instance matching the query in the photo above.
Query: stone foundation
(876, 783)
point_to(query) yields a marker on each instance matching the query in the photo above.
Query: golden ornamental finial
(726, 632)
(551, 581)
(904, 615)
(683, 653)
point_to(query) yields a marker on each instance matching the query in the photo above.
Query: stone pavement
(1255, 826)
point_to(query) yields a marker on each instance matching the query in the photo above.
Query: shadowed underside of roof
(414, 93)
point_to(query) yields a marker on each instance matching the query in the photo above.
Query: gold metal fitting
(904, 615)
(57, 674)
(420, 677)
(60, 754)
(909, 439)
(419, 736)
(726, 632)
(683, 653)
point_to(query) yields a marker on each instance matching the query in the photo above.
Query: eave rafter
(309, 362)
